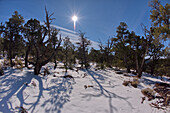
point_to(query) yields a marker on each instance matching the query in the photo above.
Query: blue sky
(98, 18)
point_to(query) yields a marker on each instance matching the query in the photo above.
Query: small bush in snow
(126, 83)
(87, 86)
(148, 93)
(34, 84)
(21, 109)
(6, 62)
(46, 71)
(135, 82)
(102, 66)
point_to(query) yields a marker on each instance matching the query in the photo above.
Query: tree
(160, 16)
(68, 49)
(31, 30)
(13, 35)
(83, 50)
(107, 52)
(44, 48)
(121, 45)
(95, 55)
(155, 53)
(146, 42)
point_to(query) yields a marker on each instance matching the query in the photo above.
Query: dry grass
(135, 82)
(126, 83)
(148, 93)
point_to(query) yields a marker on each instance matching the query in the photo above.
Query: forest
(39, 44)
(32, 45)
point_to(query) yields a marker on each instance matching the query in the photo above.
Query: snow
(67, 95)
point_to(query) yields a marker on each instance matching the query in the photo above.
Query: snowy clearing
(97, 91)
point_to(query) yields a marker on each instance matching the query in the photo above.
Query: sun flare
(74, 18)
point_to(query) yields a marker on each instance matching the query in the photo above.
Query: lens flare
(74, 18)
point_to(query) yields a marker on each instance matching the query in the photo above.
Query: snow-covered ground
(49, 94)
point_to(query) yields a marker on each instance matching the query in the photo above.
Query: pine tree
(121, 45)
(160, 16)
(13, 35)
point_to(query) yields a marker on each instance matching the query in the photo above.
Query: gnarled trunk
(142, 65)
(26, 56)
(37, 68)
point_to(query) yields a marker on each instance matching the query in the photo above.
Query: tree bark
(26, 56)
(37, 68)
(55, 62)
(137, 62)
(10, 51)
(142, 65)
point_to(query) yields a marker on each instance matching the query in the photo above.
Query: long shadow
(105, 92)
(150, 81)
(41, 89)
(15, 85)
(12, 84)
(59, 95)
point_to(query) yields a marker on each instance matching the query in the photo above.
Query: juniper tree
(12, 35)
(83, 49)
(43, 47)
(68, 50)
(106, 51)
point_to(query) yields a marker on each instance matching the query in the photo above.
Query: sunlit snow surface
(61, 95)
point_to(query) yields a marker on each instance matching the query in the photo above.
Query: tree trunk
(26, 56)
(153, 67)
(10, 53)
(66, 65)
(137, 62)
(142, 65)
(128, 70)
(55, 62)
(37, 69)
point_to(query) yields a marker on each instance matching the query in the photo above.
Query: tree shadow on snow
(11, 84)
(59, 94)
(104, 92)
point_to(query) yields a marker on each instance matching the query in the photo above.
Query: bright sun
(74, 18)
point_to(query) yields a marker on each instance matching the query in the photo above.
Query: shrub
(102, 66)
(18, 63)
(6, 62)
(21, 109)
(148, 93)
(135, 82)
(46, 71)
(126, 83)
